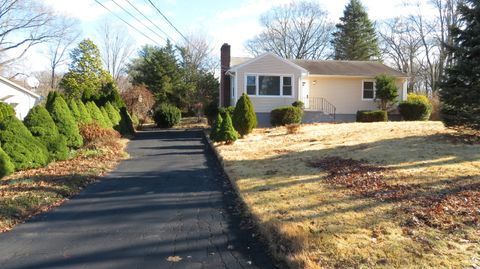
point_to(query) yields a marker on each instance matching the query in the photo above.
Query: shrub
(113, 113)
(386, 91)
(417, 107)
(6, 111)
(107, 119)
(226, 110)
(84, 114)
(135, 121)
(52, 95)
(92, 132)
(125, 126)
(96, 114)
(372, 115)
(65, 122)
(42, 126)
(24, 150)
(299, 104)
(6, 165)
(217, 125)
(286, 115)
(72, 104)
(211, 111)
(227, 134)
(244, 117)
(166, 116)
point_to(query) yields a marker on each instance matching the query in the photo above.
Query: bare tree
(59, 46)
(299, 30)
(117, 48)
(196, 53)
(24, 24)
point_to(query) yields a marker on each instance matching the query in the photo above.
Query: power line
(118, 17)
(141, 13)
(139, 20)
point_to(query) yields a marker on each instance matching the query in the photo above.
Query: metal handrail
(320, 104)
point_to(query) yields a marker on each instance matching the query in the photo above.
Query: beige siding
(267, 65)
(345, 93)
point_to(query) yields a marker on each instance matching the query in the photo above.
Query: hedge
(42, 126)
(85, 117)
(107, 119)
(125, 126)
(372, 115)
(166, 116)
(6, 165)
(72, 104)
(24, 150)
(286, 115)
(417, 107)
(66, 124)
(6, 111)
(96, 114)
(113, 113)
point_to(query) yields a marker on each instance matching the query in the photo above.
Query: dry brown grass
(312, 223)
(192, 123)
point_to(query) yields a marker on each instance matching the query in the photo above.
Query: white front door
(305, 93)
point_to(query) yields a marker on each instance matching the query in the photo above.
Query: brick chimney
(224, 78)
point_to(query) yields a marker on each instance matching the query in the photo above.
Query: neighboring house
(331, 90)
(18, 97)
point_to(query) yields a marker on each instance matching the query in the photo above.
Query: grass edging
(246, 211)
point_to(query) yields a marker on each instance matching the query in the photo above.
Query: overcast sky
(221, 21)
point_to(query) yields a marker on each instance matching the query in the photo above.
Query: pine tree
(72, 104)
(460, 92)
(96, 114)
(355, 37)
(84, 114)
(228, 134)
(244, 117)
(66, 124)
(217, 125)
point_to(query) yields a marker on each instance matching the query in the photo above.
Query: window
(287, 86)
(265, 85)
(251, 85)
(268, 85)
(368, 90)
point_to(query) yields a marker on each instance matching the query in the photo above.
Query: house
(330, 90)
(18, 97)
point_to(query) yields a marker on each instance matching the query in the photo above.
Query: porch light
(314, 82)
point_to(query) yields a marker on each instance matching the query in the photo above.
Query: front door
(305, 93)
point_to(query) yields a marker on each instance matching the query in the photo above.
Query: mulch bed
(448, 210)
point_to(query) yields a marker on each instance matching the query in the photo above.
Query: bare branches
(299, 30)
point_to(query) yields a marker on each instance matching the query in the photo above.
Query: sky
(220, 21)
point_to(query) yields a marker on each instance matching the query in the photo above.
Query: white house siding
(345, 93)
(267, 65)
(24, 100)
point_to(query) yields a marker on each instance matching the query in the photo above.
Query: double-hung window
(368, 90)
(269, 85)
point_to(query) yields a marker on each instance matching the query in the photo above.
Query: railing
(320, 104)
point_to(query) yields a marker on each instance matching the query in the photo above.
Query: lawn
(362, 195)
(28, 193)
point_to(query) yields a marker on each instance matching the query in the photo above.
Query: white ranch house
(18, 97)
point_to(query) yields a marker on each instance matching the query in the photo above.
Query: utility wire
(118, 17)
(141, 22)
(141, 13)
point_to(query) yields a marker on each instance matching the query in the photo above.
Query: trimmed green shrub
(113, 113)
(24, 150)
(211, 111)
(224, 110)
(52, 95)
(66, 124)
(125, 126)
(386, 91)
(417, 107)
(106, 117)
(215, 132)
(135, 121)
(227, 134)
(372, 115)
(244, 117)
(84, 114)
(6, 165)
(42, 126)
(166, 116)
(299, 104)
(6, 111)
(96, 114)
(286, 115)
(72, 104)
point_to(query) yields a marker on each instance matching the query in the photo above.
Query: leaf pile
(447, 210)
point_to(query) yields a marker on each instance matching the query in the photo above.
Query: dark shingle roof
(347, 68)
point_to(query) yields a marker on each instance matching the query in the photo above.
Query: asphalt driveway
(169, 206)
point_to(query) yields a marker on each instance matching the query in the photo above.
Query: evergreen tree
(62, 116)
(244, 117)
(72, 104)
(355, 37)
(84, 114)
(6, 111)
(125, 126)
(228, 134)
(86, 75)
(42, 126)
(386, 91)
(107, 119)
(460, 92)
(6, 165)
(96, 114)
(216, 128)
(113, 113)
